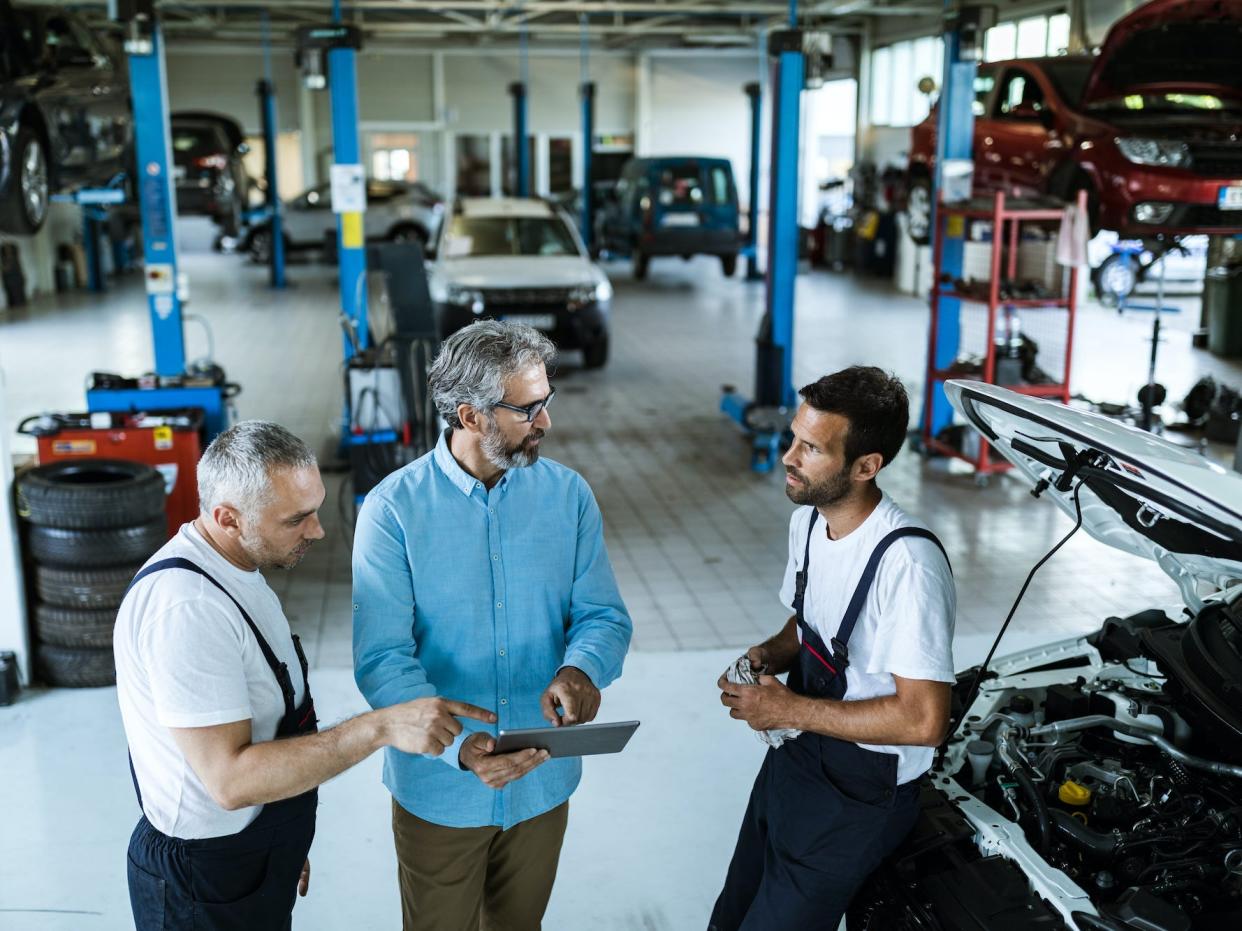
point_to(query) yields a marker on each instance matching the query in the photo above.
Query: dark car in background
(65, 116)
(208, 151)
(672, 205)
(1151, 127)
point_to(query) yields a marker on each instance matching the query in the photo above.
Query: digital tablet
(569, 740)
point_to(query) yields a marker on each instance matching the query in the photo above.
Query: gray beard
(503, 457)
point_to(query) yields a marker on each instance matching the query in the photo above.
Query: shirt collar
(463, 480)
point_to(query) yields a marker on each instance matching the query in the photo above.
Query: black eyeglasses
(530, 411)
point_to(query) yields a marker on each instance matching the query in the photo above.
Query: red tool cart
(171, 441)
(1048, 312)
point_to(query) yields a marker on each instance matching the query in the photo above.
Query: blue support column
(955, 129)
(521, 148)
(267, 112)
(753, 92)
(351, 239)
(774, 365)
(149, 85)
(588, 142)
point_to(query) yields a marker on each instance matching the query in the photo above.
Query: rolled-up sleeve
(599, 625)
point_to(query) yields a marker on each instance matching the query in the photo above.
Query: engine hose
(1039, 805)
(1083, 837)
(1177, 771)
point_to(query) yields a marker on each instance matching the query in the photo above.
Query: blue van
(673, 205)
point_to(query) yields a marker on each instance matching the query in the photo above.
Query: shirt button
(495, 557)
(504, 701)
(502, 652)
(500, 604)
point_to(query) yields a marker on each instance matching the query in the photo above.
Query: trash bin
(1222, 304)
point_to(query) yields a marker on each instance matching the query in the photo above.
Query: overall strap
(279, 669)
(855, 607)
(801, 577)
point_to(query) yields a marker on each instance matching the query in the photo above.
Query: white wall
(225, 83)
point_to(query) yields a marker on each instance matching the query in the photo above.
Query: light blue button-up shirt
(481, 596)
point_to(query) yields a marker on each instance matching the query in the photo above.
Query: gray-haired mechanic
(224, 743)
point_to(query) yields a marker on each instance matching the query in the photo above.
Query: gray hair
(237, 467)
(475, 362)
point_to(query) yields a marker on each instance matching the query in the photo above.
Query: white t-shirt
(906, 625)
(185, 658)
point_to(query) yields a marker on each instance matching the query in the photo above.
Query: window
(1033, 37)
(474, 166)
(560, 165)
(480, 236)
(984, 82)
(720, 186)
(681, 186)
(1021, 97)
(1001, 42)
(1058, 34)
(895, 73)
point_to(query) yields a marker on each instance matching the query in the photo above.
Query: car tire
(122, 546)
(1116, 278)
(75, 667)
(919, 209)
(75, 627)
(24, 208)
(728, 264)
(595, 355)
(259, 245)
(91, 494)
(409, 233)
(84, 589)
(642, 263)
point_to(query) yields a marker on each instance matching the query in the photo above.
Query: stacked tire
(92, 524)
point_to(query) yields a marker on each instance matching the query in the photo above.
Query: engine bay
(1093, 783)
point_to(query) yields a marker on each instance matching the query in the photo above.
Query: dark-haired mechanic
(868, 652)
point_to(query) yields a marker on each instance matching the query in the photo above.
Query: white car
(397, 211)
(1094, 782)
(520, 259)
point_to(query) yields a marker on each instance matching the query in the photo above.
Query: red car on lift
(1151, 127)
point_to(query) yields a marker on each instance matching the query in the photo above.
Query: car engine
(1094, 784)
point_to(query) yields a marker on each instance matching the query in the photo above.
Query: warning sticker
(163, 437)
(351, 230)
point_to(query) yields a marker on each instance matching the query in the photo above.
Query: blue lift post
(267, 112)
(767, 418)
(171, 387)
(587, 91)
(955, 127)
(521, 148)
(754, 92)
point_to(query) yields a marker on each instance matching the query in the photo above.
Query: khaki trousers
(476, 879)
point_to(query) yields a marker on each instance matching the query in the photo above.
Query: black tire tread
(119, 546)
(75, 627)
(72, 667)
(84, 588)
(45, 496)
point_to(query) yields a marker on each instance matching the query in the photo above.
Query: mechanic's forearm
(782, 649)
(279, 769)
(884, 720)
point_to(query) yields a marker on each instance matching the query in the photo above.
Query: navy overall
(823, 812)
(244, 881)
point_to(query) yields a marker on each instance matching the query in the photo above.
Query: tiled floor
(697, 540)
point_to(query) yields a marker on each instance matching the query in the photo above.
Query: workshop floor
(697, 540)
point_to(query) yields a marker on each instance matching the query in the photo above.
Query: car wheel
(595, 355)
(25, 208)
(409, 233)
(1116, 278)
(641, 263)
(728, 264)
(919, 209)
(260, 247)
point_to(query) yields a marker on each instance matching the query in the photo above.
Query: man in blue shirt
(480, 571)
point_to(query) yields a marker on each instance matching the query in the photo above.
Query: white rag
(1072, 237)
(741, 673)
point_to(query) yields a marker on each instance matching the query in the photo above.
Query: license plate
(680, 219)
(1230, 197)
(538, 321)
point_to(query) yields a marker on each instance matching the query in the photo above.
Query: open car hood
(1170, 46)
(1139, 493)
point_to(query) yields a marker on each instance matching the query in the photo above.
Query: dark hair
(873, 401)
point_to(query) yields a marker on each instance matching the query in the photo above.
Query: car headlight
(586, 294)
(1160, 152)
(465, 297)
